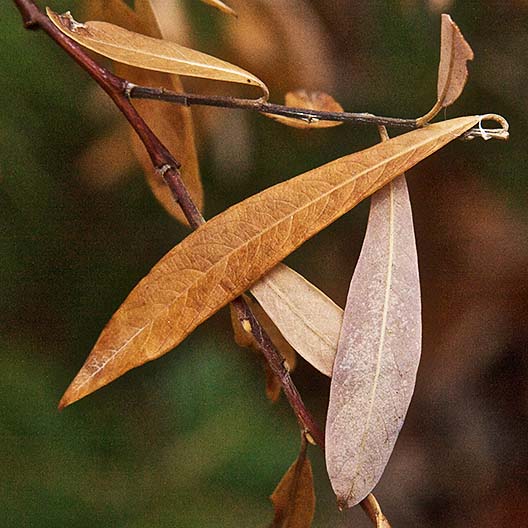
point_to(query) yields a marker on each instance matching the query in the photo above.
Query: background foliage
(190, 440)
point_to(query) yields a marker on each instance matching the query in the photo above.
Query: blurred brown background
(190, 440)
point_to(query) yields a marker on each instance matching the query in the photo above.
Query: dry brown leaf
(308, 319)
(371, 506)
(379, 349)
(309, 101)
(224, 257)
(221, 6)
(452, 70)
(244, 338)
(150, 53)
(173, 126)
(294, 496)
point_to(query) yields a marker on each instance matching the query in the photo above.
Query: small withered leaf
(379, 349)
(221, 6)
(307, 318)
(175, 127)
(452, 70)
(223, 258)
(150, 53)
(294, 496)
(309, 101)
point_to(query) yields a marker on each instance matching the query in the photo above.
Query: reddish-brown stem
(168, 167)
(276, 362)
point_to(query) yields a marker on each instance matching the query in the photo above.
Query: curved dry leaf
(175, 127)
(294, 496)
(452, 69)
(454, 54)
(307, 318)
(244, 338)
(150, 53)
(309, 101)
(224, 257)
(379, 350)
(371, 506)
(221, 6)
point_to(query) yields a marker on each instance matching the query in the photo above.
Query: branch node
(128, 89)
(32, 24)
(163, 170)
(286, 365)
(309, 437)
(71, 22)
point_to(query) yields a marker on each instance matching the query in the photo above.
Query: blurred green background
(190, 440)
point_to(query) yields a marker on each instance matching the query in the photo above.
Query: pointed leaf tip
(294, 496)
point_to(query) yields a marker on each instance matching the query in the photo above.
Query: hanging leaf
(221, 6)
(371, 506)
(308, 319)
(294, 497)
(174, 127)
(452, 70)
(244, 338)
(309, 101)
(379, 349)
(149, 53)
(224, 257)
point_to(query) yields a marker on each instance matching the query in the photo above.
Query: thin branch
(258, 105)
(117, 88)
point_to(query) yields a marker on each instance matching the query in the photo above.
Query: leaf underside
(307, 318)
(379, 349)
